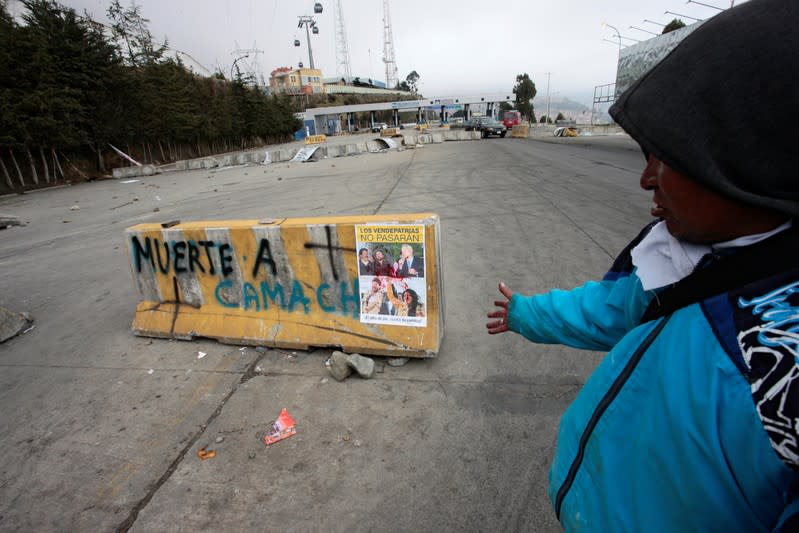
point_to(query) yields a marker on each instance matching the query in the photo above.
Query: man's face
(692, 212)
(364, 256)
(378, 255)
(375, 285)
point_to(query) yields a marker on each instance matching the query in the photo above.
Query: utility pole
(308, 22)
(549, 119)
(342, 48)
(388, 49)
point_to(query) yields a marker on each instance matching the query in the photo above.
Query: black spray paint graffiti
(186, 256)
(198, 256)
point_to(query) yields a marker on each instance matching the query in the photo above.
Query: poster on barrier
(391, 274)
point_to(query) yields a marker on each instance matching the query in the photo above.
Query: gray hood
(723, 107)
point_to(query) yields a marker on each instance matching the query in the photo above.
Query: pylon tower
(388, 49)
(342, 48)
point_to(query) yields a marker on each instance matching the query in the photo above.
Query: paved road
(101, 429)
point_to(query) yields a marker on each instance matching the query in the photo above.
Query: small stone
(220, 439)
(397, 361)
(75, 208)
(339, 368)
(357, 443)
(364, 366)
(251, 455)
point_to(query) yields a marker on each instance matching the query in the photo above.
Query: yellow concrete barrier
(520, 131)
(293, 283)
(422, 127)
(315, 139)
(390, 132)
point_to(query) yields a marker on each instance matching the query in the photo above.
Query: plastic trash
(282, 428)
(203, 454)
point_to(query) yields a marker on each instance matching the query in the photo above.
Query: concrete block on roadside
(210, 162)
(307, 289)
(12, 324)
(409, 140)
(424, 138)
(194, 164)
(335, 150)
(373, 146)
(475, 135)
(134, 172)
(451, 135)
(437, 138)
(350, 149)
(227, 161)
(182, 165)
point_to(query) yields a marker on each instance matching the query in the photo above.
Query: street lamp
(234, 64)
(706, 5)
(683, 16)
(310, 25)
(643, 30)
(617, 33)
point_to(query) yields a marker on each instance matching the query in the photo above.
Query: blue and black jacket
(691, 421)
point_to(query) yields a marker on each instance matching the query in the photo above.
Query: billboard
(636, 60)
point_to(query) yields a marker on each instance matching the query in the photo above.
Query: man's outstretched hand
(500, 324)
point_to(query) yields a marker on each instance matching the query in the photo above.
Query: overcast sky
(458, 47)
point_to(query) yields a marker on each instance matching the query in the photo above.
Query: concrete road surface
(101, 429)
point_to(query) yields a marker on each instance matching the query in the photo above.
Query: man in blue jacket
(691, 422)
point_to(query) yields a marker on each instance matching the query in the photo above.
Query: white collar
(661, 259)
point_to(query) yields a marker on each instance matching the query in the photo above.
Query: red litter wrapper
(282, 428)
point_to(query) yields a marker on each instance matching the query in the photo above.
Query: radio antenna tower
(342, 48)
(388, 49)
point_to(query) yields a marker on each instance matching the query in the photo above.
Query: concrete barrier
(520, 131)
(291, 283)
(287, 154)
(135, 172)
(336, 150)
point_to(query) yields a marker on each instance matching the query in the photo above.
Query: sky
(458, 47)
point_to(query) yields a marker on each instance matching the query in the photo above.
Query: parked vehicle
(511, 118)
(378, 127)
(487, 126)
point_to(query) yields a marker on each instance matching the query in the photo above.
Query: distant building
(296, 81)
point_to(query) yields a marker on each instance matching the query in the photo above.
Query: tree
(504, 106)
(560, 117)
(675, 24)
(129, 27)
(412, 80)
(525, 92)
